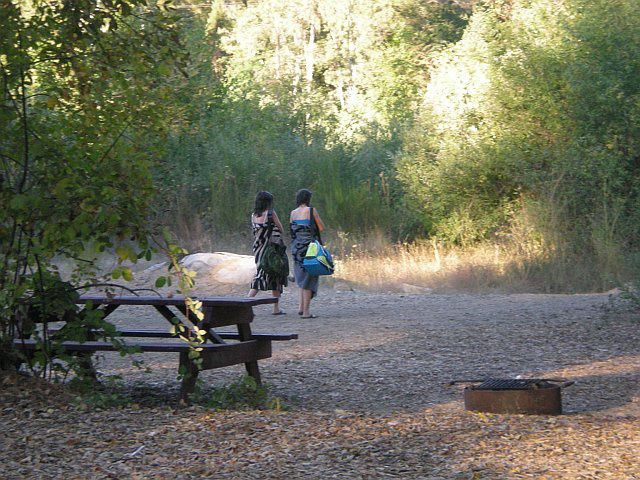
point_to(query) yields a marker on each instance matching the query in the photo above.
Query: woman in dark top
(304, 229)
(266, 227)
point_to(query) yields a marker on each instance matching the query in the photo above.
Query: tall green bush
(299, 94)
(537, 104)
(82, 88)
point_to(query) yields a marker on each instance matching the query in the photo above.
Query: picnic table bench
(217, 351)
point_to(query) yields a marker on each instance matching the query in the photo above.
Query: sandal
(281, 312)
(310, 316)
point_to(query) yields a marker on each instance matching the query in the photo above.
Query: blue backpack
(317, 260)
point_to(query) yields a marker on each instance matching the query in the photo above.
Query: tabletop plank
(177, 300)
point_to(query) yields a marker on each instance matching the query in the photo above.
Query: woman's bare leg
(306, 302)
(253, 292)
(276, 306)
(301, 307)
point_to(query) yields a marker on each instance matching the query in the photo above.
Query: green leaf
(127, 274)
(19, 202)
(62, 185)
(122, 253)
(166, 234)
(164, 69)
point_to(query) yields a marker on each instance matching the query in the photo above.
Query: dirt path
(366, 382)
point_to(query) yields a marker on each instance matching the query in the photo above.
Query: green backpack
(274, 260)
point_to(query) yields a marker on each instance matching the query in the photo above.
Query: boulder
(408, 288)
(221, 267)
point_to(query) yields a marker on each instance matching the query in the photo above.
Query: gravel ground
(366, 385)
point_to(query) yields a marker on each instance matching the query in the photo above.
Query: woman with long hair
(266, 228)
(306, 226)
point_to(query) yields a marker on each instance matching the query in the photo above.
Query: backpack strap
(312, 219)
(269, 224)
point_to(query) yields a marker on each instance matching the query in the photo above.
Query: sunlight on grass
(417, 267)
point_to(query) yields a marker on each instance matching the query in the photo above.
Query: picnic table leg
(241, 316)
(84, 358)
(244, 331)
(86, 366)
(190, 376)
(85, 361)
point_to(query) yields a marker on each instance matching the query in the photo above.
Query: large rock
(408, 288)
(221, 267)
(218, 273)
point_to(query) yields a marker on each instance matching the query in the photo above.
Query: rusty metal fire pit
(533, 396)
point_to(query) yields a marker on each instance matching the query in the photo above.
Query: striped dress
(264, 281)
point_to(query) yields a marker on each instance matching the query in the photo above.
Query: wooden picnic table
(220, 349)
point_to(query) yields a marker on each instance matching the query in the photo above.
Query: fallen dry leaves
(390, 416)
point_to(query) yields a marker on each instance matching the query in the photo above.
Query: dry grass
(516, 262)
(483, 268)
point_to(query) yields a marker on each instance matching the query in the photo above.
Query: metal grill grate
(509, 384)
